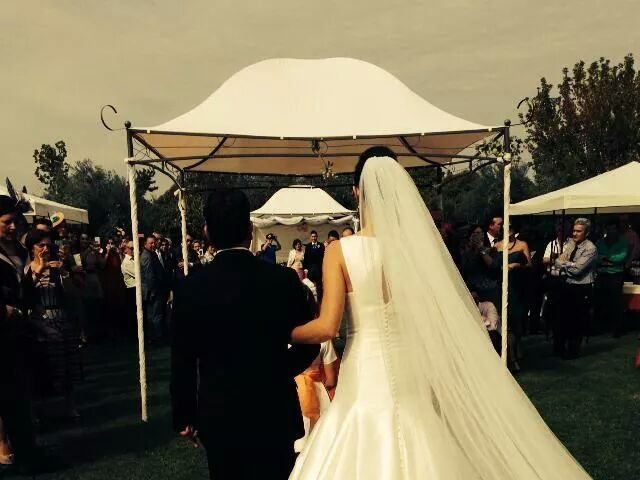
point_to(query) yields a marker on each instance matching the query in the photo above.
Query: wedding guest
(114, 290)
(332, 236)
(192, 258)
(93, 262)
(43, 224)
(494, 232)
(128, 270)
(209, 255)
(296, 255)
(347, 232)
(269, 248)
(491, 320)
(56, 332)
(153, 291)
(519, 260)
(613, 251)
(15, 345)
(632, 238)
(313, 257)
(577, 264)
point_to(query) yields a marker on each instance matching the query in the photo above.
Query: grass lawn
(592, 404)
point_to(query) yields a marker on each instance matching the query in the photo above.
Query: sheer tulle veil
(453, 399)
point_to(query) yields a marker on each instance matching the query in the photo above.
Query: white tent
(41, 207)
(302, 117)
(616, 191)
(295, 211)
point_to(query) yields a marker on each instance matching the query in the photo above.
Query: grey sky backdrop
(155, 59)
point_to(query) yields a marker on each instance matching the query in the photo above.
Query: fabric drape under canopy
(277, 116)
(616, 191)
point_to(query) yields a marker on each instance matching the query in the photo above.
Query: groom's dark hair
(227, 216)
(377, 151)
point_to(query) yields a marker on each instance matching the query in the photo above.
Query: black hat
(7, 205)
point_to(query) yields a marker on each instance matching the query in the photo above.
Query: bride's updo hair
(377, 151)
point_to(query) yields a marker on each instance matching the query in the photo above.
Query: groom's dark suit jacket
(232, 322)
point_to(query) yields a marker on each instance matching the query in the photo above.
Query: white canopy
(266, 118)
(41, 207)
(616, 191)
(293, 212)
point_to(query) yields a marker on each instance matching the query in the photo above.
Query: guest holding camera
(269, 248)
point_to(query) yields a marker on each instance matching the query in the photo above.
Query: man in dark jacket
(154, 287)
(232, 371)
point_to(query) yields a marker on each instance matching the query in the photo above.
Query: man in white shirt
(129, 275)
(494, 231)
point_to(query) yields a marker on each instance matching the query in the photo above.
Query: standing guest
(269, 248)
(43, 224)
(632, 238)
(332, 237)
(197, 247)
(209, 255)
(114, 290)
(153, 291)
(313, 257)
(168, 260)
(192, 258)
(519, 260)
(491, 320)
(128, 268)
(477, 267)
(577, 265)
(494, 231)
(93, 262)
(296, 255)
(347, 232)
(59, 225)
(15, 345)
(613, 251)
(209, 388)
(56, 332)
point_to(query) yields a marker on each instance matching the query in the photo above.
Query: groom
(232, 383)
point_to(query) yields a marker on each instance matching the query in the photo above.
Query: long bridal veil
(454, 401)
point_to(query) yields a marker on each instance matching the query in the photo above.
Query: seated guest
(577, 264)
(296, 255)
(613, 251)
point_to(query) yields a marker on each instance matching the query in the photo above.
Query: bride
(422, 394)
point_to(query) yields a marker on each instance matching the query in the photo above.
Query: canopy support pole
(133, 198)
(506, 172)
(182, 206)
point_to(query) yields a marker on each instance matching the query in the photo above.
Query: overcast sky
(63, 59)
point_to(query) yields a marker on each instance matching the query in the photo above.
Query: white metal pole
(131, 170)
(182, 206)
(505, 257)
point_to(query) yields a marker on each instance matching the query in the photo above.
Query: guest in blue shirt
(269, 248)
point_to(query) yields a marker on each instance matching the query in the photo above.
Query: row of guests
(578, 273)
(39, 337)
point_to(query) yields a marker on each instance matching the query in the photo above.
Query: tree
(590, 127)
(51, 167)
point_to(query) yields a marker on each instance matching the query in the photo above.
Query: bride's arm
(326, 326)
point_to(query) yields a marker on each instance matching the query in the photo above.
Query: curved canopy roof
(616, 191)
(301, 200)
(268, 117)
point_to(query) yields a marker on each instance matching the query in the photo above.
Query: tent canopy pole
(506, 160)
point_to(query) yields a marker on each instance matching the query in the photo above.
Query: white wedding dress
(421, 393)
